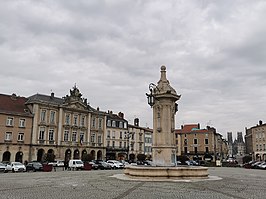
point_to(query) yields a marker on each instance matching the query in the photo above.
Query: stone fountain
(162, 99)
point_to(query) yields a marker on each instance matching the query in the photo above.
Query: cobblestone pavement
(235, 183)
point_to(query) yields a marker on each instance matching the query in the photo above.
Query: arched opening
(99, 155)
(50, 151)
(121, 156)
(50, 157)
(76, 154)
(19, 157)
(67, 155)
(258, 157)
(110, 156)
(131, 157)
(83, 155)
(40, 155)
(6, 156)
(93, 154)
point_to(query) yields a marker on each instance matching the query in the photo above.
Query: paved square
(235, 183)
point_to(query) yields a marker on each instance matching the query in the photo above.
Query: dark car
(34, 166)
(102, 165)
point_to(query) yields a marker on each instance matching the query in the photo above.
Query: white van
(75, 164)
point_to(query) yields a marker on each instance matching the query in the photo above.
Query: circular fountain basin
(178, 172)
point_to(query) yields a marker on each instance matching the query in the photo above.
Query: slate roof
(45, 99)
(12, 104)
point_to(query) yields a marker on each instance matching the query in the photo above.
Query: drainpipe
(31, 136)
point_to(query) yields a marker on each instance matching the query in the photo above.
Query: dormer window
(113, 123)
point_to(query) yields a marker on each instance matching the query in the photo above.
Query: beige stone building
(256, 141)
(140, 141)
(116, 138)
(67, 128)
(15, 128)
(200, 144)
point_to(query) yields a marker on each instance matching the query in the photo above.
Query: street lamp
(127, 137)
(150, 96)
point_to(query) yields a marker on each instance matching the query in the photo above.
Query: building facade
(116, 136)
(45, 128)
(200, 144)
(256, 141)
(62, 127)
(15, 129)
(140, 141)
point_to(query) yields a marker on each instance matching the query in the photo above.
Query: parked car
(115, 164)
(34, 166)
(102, 164)
(255, 165)
(2, 168)
(94, 165)
(263, 166)
(8, 166)
(124, 162)
(247, 165)
(59, 163)
(76, 164)
(259, 166)
(17, 167)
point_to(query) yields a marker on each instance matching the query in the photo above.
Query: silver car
(2, 168)
(17, 167)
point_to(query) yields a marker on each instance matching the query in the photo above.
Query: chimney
(13, 96)
(136, 121)
(120, 114)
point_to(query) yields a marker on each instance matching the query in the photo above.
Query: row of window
(122, 135)
(195, 141)
(74, 136)
(148, 140)
(10, 122)
(120, 144)
(9, 136)
(44, 115)
(72, 120)
(260, 135)
(196, 150)
(76, 119)
(124, 145)
(260, 147)
(148, 149)
(116, 124)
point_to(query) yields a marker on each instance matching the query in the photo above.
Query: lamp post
(127, 137)
(150, 96)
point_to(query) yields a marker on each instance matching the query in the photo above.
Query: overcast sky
(214, 52)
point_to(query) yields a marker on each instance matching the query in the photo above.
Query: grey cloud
(214, 53)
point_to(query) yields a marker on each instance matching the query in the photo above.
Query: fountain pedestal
(162, 99)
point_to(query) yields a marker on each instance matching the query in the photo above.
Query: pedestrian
(66, 165)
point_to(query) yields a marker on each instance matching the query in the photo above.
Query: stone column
(164, 109)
